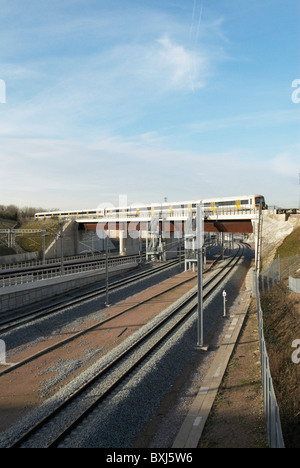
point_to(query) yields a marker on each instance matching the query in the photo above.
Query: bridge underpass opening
(130, 233)
(230, 226)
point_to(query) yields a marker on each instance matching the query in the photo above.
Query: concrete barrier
(294, 284)
(20, 296)
(18, 258)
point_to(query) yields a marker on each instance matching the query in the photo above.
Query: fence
(273, 422)
(281, 269)
(65, 270)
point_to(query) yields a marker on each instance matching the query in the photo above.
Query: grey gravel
(119, 421)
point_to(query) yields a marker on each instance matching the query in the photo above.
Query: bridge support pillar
(128, 245)
(169, 248)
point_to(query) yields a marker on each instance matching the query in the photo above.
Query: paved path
(193, 425)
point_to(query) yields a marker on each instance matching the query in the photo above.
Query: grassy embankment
(34, 242)
(6, 224)
(29, 242)
(282, 326)
(237, 419)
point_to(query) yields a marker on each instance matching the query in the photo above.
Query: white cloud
(287, 163)
(108, 89)
(71, 175)
(251, 120)
(183, 69)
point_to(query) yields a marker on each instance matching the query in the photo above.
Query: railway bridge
(161, 230)
(233, 221)
(161, 226)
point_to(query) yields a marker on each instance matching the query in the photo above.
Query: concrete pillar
(128, 246)
(122, 250)
(170, 247)
(255, 233)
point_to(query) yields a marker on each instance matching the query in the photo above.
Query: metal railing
(51, 261)
(176, 213)
(148, 213)
(68, 270)
(271, 407)
(281, 269)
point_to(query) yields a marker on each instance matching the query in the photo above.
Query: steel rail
(87, 330)
(55, 266)
(188, 305)
(17, 320)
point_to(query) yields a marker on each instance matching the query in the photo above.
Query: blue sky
(179, 99)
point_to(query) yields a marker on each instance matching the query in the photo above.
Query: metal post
(224, 304)
(44, 244)
(223, 247)
(62, 248)
(10, 238)
(141, 246)
(147, 244)
(200, 236)
(106, 272)
(200, 300)
(259, 240)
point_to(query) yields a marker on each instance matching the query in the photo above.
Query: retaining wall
(24, 295)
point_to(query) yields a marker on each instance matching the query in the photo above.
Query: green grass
(34, 242)
(6, 224)
(290, 246)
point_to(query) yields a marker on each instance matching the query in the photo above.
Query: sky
(148, 99)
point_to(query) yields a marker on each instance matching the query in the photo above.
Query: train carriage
(248, 202)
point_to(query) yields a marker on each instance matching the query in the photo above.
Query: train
(239, 203)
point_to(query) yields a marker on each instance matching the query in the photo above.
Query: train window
(258, 200)
(226, 203)
(244, 202)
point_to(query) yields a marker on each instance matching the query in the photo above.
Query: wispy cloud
(249, 120)
(180, 68)
(110, 88)
(287, 163)
(101, 70)
(146, 94)
(70, 175)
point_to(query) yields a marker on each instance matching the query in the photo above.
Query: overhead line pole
(200, 243)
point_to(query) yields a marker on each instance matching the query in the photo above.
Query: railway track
(60, 421)
(16, 319)
(43, 272)
(19, 269)
(85, 331)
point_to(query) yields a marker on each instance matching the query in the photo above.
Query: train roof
(165, 204)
